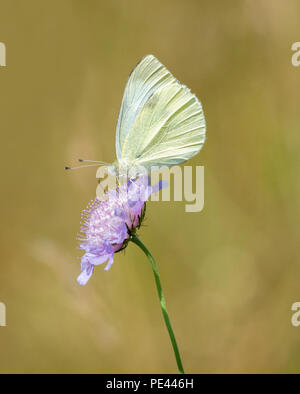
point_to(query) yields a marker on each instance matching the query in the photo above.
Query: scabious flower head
(107, 225)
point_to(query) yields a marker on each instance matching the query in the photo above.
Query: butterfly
(161, 123)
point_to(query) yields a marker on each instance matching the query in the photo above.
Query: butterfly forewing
(147, 77)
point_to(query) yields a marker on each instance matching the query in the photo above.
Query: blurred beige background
(231, 272)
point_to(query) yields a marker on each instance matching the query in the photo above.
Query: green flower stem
(162, 301)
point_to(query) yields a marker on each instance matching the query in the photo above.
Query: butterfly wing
(148, 76)
(169, 126)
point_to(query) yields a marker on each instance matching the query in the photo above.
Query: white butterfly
(161, 123)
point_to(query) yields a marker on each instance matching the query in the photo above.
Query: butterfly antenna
(77, 167)
(92, 161)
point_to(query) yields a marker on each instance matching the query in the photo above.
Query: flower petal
(111, 260)
(85, 275)
(160, 185)
(97, 260)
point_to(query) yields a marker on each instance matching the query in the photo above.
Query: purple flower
(106, 225)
